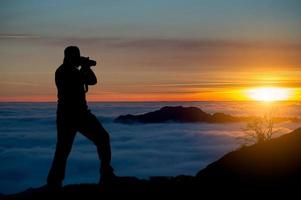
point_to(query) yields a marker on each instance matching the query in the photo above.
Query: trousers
(68, 124)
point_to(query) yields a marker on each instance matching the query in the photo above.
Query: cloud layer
(28, 136)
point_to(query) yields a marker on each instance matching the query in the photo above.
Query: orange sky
(196, 51)
(161, 72)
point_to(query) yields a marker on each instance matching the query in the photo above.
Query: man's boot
(107, 176)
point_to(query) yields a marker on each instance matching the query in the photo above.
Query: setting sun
(269, 94)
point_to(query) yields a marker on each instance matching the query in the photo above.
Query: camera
(86, 62)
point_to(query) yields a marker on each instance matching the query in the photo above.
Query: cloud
(28, 137)
(193, 44)
(19, 36)
(182, 55)
(18, 83)
(178, 55)
(218, 84)
(160, 43)
(143, 151)
(163, 43)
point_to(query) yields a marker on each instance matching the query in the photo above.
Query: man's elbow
(92, 82)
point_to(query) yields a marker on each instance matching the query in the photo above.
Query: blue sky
(247, 19)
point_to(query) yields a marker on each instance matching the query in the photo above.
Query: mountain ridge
(180, 114)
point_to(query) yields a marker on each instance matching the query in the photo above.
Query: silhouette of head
(72, 56)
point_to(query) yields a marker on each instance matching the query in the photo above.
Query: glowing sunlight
(269, 94)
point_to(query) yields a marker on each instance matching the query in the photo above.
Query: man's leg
(65, 137)
(91, 128)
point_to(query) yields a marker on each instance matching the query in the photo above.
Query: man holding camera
(72, 79)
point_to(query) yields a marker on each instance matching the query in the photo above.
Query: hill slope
(271, 167)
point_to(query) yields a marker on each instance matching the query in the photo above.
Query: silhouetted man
(72, 79)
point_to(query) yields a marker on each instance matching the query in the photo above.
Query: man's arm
(88, 76)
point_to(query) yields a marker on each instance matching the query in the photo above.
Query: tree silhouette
(259, 129)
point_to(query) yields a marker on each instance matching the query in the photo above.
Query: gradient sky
(152, 50)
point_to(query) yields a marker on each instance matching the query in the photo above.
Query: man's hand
(88, 75)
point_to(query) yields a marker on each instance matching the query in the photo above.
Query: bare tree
(259, 129)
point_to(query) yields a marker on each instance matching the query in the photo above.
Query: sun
(269, 94)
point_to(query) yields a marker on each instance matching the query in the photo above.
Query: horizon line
(155, 101)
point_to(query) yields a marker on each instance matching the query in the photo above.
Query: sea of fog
(28, 137)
